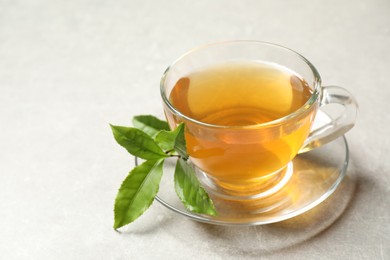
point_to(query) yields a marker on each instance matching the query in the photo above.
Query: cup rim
(309, 103)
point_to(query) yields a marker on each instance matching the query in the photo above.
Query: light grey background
(69, 68)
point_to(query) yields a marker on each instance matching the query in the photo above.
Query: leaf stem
(169, 151)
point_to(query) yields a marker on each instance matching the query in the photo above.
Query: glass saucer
(316, 175)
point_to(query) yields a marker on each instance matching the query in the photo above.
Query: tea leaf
(137, 192)
(188, 188)
(137, 143)
(173, 140)
(150, 124)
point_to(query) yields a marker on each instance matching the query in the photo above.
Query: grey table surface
(69, 68)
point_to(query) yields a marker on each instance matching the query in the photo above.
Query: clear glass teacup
(248, 109)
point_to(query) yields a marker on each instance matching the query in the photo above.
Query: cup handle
(339, 124)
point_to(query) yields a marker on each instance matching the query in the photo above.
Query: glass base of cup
(255, 189)
(317, 174)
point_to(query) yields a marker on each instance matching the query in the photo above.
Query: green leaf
(137, 192)
(188, 188)
(150, 124)
(137, 143)
(169, 140)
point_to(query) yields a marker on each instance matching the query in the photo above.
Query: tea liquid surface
(239, 94)
(242, 94)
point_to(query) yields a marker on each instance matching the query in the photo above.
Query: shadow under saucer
(265, 239)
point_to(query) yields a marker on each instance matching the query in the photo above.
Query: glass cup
(253, 160)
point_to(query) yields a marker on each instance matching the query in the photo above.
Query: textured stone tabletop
(69, 68)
